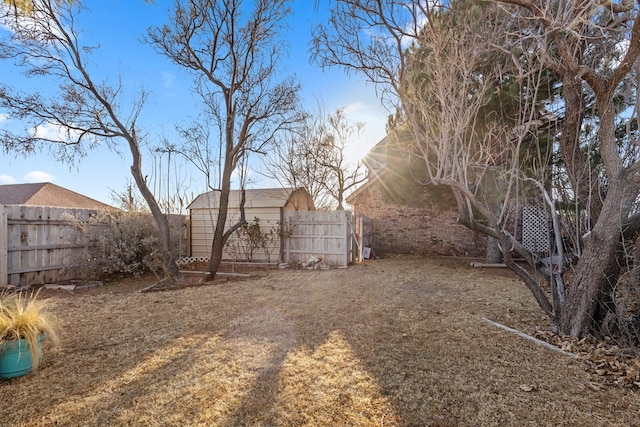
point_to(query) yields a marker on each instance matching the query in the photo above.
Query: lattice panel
(535, 229)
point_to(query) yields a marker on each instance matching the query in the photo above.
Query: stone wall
(425, 226)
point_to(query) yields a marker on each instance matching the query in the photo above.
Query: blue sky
(118, 25)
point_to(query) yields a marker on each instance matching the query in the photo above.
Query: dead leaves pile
(608, 363)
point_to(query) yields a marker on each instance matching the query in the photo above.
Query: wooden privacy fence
(36, 244)
(325, 233)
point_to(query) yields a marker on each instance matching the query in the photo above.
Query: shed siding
(266, 205)
(270, 197)
(299, 201)
(203, 225)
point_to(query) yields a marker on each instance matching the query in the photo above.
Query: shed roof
(46, 194)
(254, 198)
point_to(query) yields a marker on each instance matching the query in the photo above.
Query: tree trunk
(219, 239)
(597, 268)
(493, 254)
(169, 265)
(584, 179)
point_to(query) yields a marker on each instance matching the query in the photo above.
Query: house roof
(386, 161)
(46, 194)
(353, 197)
(254, 198)
(376, 162)
(393, 145)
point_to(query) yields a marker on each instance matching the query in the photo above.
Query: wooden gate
(36, 244)
(313, 233)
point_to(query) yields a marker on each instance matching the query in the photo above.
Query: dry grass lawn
(393, 342)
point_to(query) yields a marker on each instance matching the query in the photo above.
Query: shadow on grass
(391, 343)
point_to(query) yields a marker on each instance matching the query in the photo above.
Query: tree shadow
(294, 348)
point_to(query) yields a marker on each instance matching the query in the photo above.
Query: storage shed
(267, 205)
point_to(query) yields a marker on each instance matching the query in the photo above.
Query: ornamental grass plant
(24, 316)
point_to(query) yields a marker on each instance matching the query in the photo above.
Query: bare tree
(592, 47)
(571, 39)
(84, 111)
(198, 148)
(233, 50)
(168, 177)
(28, 5)
(315, 157)
(290, 164)
(328, 148)
(128, 199)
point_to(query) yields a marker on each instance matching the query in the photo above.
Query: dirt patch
(392, 342)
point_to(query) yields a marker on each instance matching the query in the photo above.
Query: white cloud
(4, 117)
(38, 21)
(48, 131)
(54, 132)
(355, 106)
(38, 176)
(6, 179)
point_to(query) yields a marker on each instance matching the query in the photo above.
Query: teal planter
(15, 357)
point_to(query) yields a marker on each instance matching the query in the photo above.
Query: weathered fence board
(36, 244)
(324, 233)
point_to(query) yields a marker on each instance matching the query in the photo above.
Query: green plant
(24, 316)
(250, 238)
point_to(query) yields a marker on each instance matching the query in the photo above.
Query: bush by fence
(41, 245)
(118, 242)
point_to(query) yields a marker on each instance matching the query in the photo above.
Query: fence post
(4, 244)
(287, 242)
(345, 221)
(360, 235)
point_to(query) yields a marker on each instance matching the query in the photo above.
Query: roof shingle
(46, 194)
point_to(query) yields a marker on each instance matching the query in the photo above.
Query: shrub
(250, 238)
(120, 242)
(272, 240)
